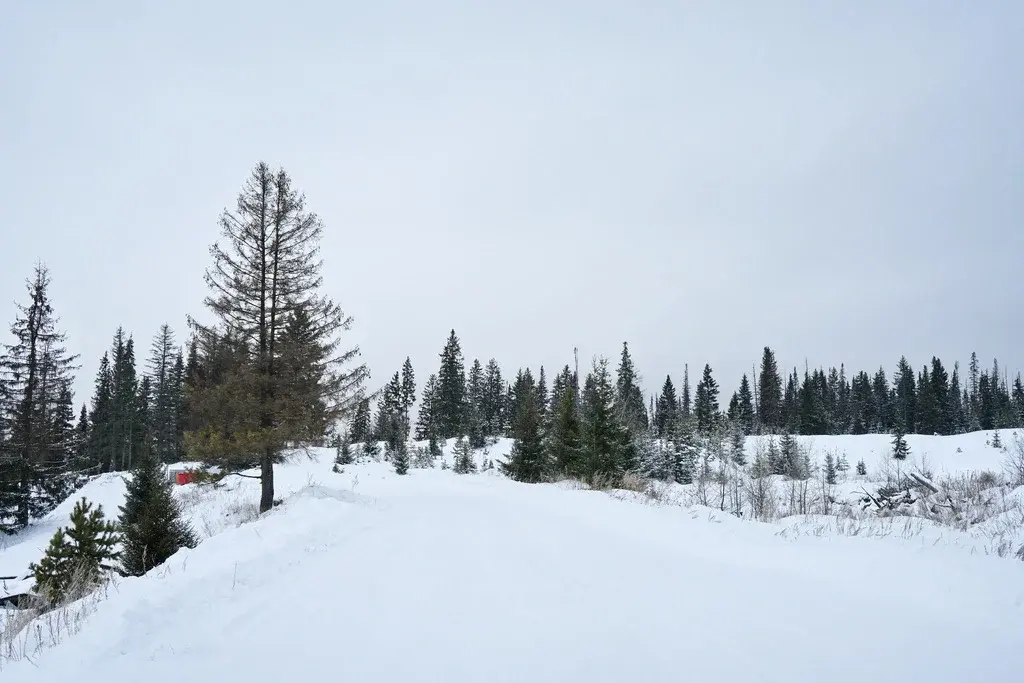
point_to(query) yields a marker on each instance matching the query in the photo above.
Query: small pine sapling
(900, 449)
(77, 557)
(399, 456)
(862, 468)
(830, 469)
(463, 457)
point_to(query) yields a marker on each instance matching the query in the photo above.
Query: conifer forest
(264, 366)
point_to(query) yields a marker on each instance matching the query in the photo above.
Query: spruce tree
(706, 404)
(685, 404)
(450, 409)
(462, 453)
(862, 468)
(746, 407)
(151, 523)
(528, 459)
(474, 421)
(770, 394)
(737, 441)
(564, 437)
(905, 402)
(399, 455)
(266, 268)
(390, 412)
(164, 408)
(667, 408)
(408, 389)
(36, 441)
(361, 430)
(629, 399)
(900, 449)
(493, 400)
(928, 411)
(830, 469)
(884, 411)
(606, 454)
(426, 423)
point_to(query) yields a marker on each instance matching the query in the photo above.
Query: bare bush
(1013, 461)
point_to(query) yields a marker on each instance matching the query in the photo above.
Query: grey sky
(841, 181)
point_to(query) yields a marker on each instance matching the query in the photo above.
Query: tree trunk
(267, 482)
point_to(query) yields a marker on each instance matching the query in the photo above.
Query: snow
(366, 575)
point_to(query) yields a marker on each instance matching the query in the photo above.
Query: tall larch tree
(266, 268)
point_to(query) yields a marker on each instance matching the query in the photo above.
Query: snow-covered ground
(369, 576)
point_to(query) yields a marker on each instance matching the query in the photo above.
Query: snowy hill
(369, 576)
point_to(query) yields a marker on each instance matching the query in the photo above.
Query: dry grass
(25, 633)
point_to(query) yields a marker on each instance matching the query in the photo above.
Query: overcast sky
(840, 181)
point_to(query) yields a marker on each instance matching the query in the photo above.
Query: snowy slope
(436, 577)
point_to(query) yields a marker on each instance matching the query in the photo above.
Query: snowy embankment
(366, 575)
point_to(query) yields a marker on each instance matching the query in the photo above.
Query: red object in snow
(183, 478)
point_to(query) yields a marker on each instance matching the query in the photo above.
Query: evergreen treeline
(603, 429)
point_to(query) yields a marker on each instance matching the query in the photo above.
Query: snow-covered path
(434, 577)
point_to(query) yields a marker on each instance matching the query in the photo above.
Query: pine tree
(842, 464)
(462, 453)
(81, 467)
(450, 408)
(667, 408)
(682, 451)
(770, 394)
(361, 429)
(940, 389)
(862, 468)
(474, 422)
(493, 400)
(606, 454)
(685, 404)
(343, 452)
(426, 423)
(564, 437)
(629, 399)
(35, 411)
(906, 397)
(151, 523)
(883, 403)
(408, 389)
(125, 429)
(265, 270)
(928, 414)
(100, 418)
(164, 409)
(788, 461)
(706, 404)
(737, 441)
(528, 459)
(746, 407)
(390, 412)
(78, 556)
(542, 392)
(830, 469)
(900, 449)
(399, 455)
